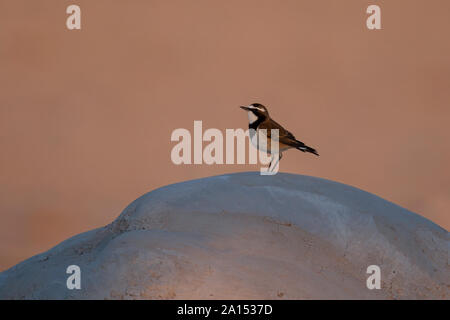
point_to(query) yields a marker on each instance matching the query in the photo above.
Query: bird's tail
(303, 147)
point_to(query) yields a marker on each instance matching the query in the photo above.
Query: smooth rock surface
(246, 236)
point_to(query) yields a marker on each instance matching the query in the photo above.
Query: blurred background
(86, 115)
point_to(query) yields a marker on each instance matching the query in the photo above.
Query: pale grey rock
(246, 236)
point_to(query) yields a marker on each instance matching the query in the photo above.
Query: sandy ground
(246, 236)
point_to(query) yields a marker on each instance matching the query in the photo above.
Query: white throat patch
(251, 117)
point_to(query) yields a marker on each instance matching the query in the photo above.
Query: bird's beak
(245, 108)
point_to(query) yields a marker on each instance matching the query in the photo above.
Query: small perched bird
(258, 118)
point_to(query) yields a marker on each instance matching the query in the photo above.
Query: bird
(259, 118)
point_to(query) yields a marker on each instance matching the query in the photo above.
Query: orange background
(86, 116)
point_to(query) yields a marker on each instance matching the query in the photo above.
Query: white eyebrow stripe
(257, 108)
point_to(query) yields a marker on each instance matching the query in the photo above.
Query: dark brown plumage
(262, 120)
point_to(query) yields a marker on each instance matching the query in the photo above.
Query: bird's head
(257, 109)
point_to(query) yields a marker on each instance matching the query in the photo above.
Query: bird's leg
(271, 168)
(280, 155)
(270, 164)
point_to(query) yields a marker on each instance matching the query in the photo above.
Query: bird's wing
(284, 136)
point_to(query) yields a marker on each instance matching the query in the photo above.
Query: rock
(246, 236)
